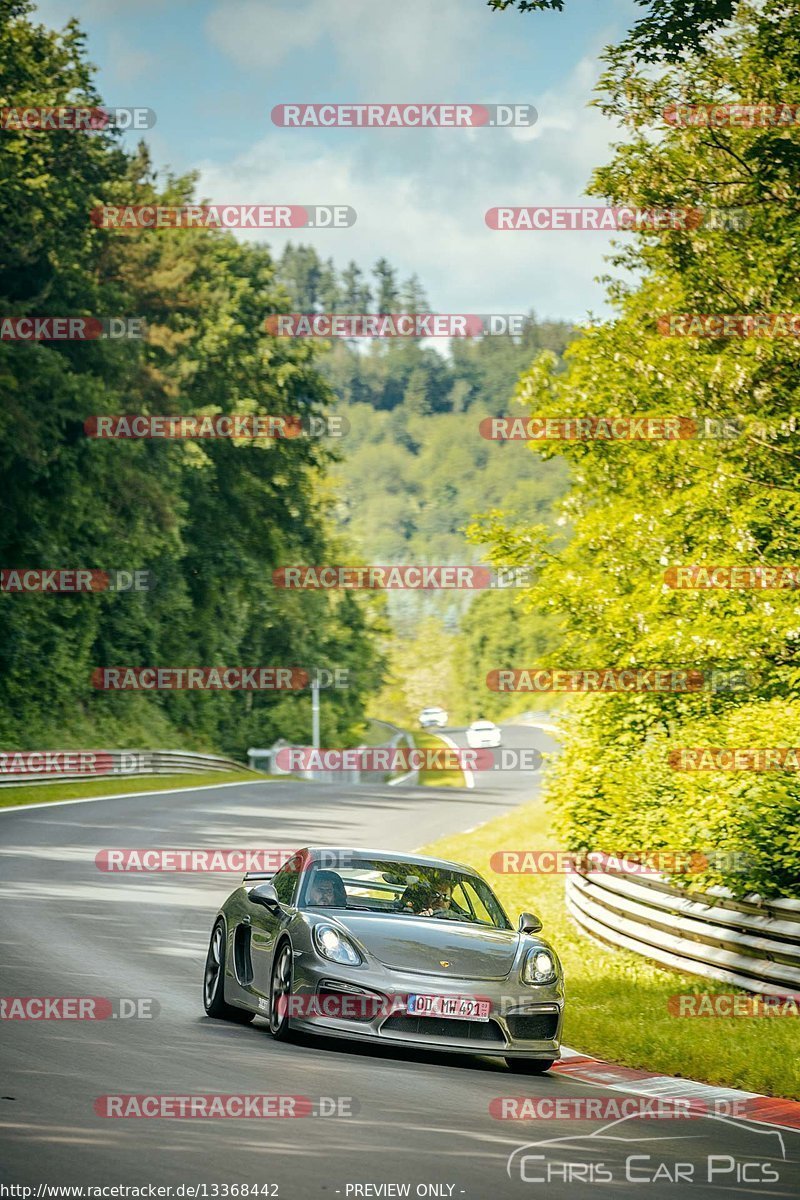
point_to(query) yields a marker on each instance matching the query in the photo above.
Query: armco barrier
(129, 763)
(751, 943)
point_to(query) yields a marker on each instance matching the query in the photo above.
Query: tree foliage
(210, 519)
(669, 31)
(639, 508)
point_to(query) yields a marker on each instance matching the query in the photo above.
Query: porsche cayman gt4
(380, 947)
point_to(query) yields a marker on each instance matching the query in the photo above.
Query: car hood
(424, 944)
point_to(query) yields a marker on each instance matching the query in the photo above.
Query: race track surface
(69, 929)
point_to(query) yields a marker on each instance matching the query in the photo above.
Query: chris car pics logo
(750, 1155)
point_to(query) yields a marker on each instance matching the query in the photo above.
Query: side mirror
(265, 895)
(528, 923)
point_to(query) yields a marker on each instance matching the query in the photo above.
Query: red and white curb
(764, 1110)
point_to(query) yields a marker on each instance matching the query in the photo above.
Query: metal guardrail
(751, 943)
(110, 764)
(125, 764)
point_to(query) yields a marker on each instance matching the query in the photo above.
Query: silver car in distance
(394, 949)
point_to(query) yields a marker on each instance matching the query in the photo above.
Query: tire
(280, 989)
(214, 982)
(529, 1066)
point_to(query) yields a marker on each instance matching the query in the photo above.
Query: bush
(614, 778)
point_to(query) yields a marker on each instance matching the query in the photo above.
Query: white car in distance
(433, 718)
(482, 735)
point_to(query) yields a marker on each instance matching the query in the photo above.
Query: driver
(323, 889)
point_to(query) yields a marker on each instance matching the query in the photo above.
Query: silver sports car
(388, 948)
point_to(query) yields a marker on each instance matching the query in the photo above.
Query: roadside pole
(315, 713)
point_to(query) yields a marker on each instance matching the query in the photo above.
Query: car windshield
(405, 889)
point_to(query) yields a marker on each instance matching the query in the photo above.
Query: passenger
(433, 899)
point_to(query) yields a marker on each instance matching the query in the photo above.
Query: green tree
(330, 296)
(638, 508)
(303, 273)
(211, 519)
(670, 30)
(412, 296)
(356, 295)
(386, 298)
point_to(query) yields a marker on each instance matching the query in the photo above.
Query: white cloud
(421, 200)
(420, 195)
(257, 35)
(402, 48)
(394, 49)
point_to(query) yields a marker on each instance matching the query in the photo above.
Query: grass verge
(616, 1001)
(80, 789)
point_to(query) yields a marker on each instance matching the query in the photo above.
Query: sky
(213, 70)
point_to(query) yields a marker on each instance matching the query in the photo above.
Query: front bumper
(524, 1022)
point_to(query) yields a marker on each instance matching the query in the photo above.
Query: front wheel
(529, 1066)
(280, 993)
(214, 982)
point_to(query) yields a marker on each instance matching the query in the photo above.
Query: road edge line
(469, 778)
(203, 787)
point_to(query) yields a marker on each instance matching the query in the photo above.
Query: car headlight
(539, 967)
(333, 945)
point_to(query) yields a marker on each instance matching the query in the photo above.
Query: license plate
(457, 1007)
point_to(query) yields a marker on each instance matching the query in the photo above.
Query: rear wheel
(280, 993)
(529, 1066)
(214, 982)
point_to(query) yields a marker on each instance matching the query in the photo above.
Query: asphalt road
(422, 1121)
